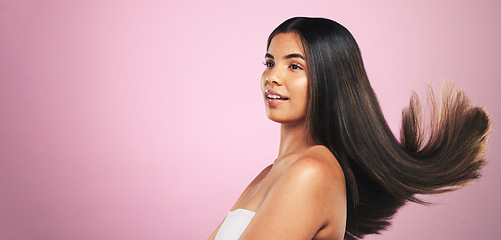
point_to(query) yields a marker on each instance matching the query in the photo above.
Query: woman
(340, 173)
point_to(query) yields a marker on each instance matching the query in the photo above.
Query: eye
(296, 67)
(269, 64)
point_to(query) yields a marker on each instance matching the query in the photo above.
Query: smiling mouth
(273, 97)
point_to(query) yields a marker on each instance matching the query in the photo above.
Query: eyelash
(293, 66)
(268, 64)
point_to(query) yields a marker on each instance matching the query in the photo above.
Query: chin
(277, 120)
(285, 119)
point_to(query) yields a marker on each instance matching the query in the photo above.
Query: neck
(293, 138)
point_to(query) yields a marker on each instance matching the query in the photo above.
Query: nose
(274, 78)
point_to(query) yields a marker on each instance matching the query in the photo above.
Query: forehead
(285, 43)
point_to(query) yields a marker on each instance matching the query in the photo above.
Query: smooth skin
(302, 195)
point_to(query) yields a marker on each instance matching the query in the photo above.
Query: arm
(308, 197)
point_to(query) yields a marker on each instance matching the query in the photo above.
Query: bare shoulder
(315, 168)
(308, 201)
(316, 176)
(318, 163)
(320, 152)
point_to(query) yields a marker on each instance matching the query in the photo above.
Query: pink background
(144, 119)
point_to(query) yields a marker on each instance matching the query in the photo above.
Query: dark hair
(344, 115)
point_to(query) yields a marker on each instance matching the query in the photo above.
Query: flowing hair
(381, 172)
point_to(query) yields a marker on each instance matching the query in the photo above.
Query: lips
(274, 98)
(270, 94)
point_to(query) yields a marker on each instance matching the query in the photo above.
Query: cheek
(301, 90)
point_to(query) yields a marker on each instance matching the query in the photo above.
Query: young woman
(340, 173)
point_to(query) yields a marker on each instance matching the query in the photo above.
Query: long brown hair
(381, 172)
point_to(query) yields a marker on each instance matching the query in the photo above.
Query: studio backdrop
(145, 119)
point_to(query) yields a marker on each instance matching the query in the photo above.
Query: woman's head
(334, 67)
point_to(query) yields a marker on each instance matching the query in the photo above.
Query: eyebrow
(292, 55)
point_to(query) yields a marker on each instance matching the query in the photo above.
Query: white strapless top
(234, 224)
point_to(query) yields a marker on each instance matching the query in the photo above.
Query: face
(284, 82)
